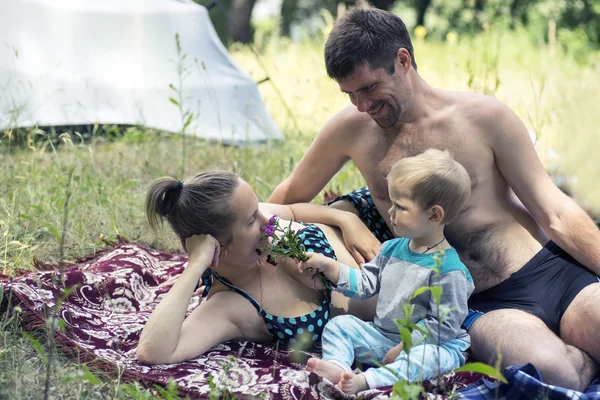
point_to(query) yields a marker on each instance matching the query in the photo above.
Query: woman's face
(248, 230)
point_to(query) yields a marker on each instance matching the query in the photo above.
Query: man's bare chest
(376, 163)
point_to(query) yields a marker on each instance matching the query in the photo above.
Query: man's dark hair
(366, 35)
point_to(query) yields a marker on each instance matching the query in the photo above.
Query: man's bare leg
(521, 338)
(579, 329)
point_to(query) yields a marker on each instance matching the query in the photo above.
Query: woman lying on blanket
(222, 226)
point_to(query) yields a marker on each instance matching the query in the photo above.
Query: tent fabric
(72, 62)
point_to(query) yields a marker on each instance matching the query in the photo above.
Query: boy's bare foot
(325, 369)
(352, 383)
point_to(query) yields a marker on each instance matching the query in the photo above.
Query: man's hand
(392, 354)
(359, 240)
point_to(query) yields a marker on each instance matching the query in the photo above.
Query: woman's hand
(359, 240)
(203, 249)
(392, 354)
(200, 249)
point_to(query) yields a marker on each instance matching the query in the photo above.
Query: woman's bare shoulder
(234, 308)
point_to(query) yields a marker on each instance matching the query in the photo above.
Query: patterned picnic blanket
(112, 295)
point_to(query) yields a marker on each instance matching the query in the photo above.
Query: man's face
(376, 92)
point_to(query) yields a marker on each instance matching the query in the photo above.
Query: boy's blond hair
(434, 178)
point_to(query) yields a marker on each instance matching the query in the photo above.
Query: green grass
(555, 97)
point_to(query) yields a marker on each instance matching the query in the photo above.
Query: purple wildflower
(273, 219)
(270, 230)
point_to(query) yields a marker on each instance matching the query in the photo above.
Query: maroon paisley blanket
(112, 295)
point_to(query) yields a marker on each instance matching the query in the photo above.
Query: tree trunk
(218, 18)
(239, 25)
(478, 10)
(288, 8)
(515, 6)
(383, 4)
(421, 7)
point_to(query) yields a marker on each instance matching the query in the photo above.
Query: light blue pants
(347, 338)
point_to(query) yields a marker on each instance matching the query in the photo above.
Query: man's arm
(565, 222)
(324, 158)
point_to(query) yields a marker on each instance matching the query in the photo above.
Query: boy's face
(408, 219)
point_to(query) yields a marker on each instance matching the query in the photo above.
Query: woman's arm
(359, 240)
(160, 337)
(312, 213)
(208, 325)
(282, 210)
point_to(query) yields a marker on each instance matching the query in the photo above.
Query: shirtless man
(532, 302)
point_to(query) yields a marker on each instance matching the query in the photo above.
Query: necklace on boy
(437, 244)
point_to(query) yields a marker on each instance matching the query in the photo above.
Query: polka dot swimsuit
(362, 200)
(306, 329)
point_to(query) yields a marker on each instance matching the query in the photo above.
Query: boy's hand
(315, 262)
(392, 354)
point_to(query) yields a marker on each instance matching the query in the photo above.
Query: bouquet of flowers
(287, 244)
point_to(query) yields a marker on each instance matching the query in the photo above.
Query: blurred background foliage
(575, 23)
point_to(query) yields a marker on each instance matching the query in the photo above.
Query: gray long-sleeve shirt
(395, 273)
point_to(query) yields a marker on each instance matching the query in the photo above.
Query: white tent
(78, 62)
